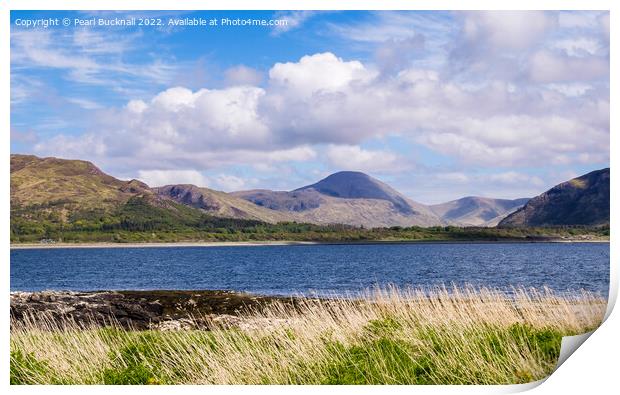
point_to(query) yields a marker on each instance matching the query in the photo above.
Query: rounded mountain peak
(358, 185)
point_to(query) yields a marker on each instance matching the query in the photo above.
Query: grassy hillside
(63, 186)
(73, 200)
(584, 200)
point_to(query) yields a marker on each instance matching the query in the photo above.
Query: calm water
(314, 268)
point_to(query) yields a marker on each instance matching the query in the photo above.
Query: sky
(438, 104)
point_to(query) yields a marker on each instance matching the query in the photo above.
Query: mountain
(221, 204)
(66, 186)
(346, 197)
(357, 185)
(47, 192)
(581, 201)
(477, 211)
(57, 191)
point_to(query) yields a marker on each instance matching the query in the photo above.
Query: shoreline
(176, 309)
(32, 246)
(140, 309)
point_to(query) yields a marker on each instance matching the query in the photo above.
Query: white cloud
(87, 56)
(580, 47)
(501, 141)
(294, 20)
(72, 147)
(506, 30)
(385, 26)
(243, 75)
(578, 19)
(572, 89)
(487, 91)
(507, 178)
(454, 177)
(439, 186)
(513, 177)
(323, 72)
(324, 99)
(546, 66)
(27, 136)
(36, 48)
(157, 178)
(417, 75)
(604, 21)
(85, 103)
(301, 154)
(229, 183)
(136, 106)
(91, 42)
(353, 157)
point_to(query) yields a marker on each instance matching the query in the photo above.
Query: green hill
(581, 201)
(53, 198)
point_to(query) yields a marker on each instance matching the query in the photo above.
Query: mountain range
(346, 197)
(67, 190)
(477, 211)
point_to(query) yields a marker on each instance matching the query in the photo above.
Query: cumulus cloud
(353, 157)
(243, 75)
(324, 99)
(393, 55)
(486, 92)
(506, 30)
(546, 66)
(157, 178)
(571, 89)
(580, 46)
(230, 183)
(322, 72)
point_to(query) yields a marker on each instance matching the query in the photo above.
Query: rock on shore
(162, 310)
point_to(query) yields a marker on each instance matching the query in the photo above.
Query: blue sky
(438, 104)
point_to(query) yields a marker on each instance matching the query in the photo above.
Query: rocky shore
(141, 310)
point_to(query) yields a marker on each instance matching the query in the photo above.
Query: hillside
(477, 211)
(64, 187)
(581, 201)
(50, 196)
(347, 197)
(357, 185)
(221, 204)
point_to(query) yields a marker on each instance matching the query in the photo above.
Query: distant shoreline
(31, 246)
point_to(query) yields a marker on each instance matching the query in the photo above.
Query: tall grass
(387, 336)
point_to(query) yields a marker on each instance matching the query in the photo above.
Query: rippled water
(314, 268)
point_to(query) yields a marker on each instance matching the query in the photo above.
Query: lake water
(339, 269)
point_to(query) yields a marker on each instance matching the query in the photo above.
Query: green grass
(395, 337)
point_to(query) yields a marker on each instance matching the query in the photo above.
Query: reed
(383, 336)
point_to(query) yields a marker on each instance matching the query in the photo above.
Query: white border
(592, 369)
